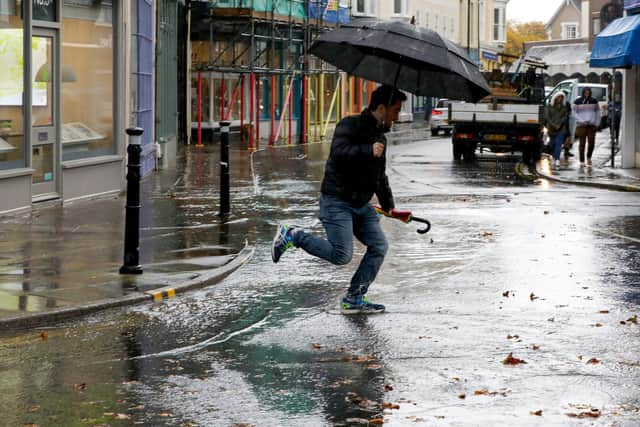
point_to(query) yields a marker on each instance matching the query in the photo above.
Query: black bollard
(225, 207)
(132, 219)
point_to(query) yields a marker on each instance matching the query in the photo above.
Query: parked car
(573, 88)
(440, 117)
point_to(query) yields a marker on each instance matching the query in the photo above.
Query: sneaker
(556, 164)
(359, 305)
(589, 164)
(569, 154)
(581, 165)
(282, 241)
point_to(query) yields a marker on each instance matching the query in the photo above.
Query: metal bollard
(132, 219)
(225, 207)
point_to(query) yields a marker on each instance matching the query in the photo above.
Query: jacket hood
(556, 96)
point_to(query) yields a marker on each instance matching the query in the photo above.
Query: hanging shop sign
(45, 10)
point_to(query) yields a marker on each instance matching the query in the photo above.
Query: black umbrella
(414, 59)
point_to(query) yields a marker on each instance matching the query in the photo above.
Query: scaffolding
(250, 65)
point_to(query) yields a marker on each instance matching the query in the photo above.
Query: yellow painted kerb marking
(162, 294)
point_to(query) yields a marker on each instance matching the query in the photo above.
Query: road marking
(610, 233)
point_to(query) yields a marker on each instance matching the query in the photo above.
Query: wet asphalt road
(546, 272)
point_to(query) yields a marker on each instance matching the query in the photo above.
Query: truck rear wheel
(469, 152)
(457, 151)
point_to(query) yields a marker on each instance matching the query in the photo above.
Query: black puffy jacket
(352, 172)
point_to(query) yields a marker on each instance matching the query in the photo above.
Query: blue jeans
(342, 221)
(556, 144)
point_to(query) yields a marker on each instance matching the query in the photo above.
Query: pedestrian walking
(354, 172)
(568, 137)
(556, 115)
(586, 113)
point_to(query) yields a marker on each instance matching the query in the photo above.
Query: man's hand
(378, 149)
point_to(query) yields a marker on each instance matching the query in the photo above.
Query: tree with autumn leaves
(518, 33)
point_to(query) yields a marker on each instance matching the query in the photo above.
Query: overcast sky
(531, 10)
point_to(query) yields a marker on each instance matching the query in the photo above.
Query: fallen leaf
(482, 391)
(535, 347)
(388, 387)
(593, 361)
(44, 336)
(166, 414)
(593, 413)
(509, 337)
(316, 345)
(510, 360)
(537, 413)
(622, 322)
(376, 421)
(440, 417)
(456, 378)
(373, 366)
(80, 387)
(360, 421)
(598, 325)
(533, 297)
(505, 294)
(389, 405)
(122, 416)
(604, 312)
(462, 396)
(487, 234)
(363, 359)
(633, 319)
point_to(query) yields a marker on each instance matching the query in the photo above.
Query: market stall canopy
(618, 45)
(395, 53)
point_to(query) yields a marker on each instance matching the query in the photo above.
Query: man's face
(391, 114)
(587, 93)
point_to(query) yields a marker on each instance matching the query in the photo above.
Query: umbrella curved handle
(424, 221)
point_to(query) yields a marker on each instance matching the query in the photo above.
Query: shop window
(12, 141)
(87, 79)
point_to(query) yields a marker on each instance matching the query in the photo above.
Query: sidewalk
(61, 262)
(601, 175)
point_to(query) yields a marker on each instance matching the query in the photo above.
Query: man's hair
(385, 95)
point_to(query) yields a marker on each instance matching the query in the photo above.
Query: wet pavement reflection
(547, 274)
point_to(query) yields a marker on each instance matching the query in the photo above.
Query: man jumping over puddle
(354, 172)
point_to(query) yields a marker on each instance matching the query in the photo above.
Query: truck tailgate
(503, 113)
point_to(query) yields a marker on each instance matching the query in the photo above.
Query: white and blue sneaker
(282, 241)
(359, 305)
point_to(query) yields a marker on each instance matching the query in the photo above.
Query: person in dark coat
(354, 172)
(556, 115)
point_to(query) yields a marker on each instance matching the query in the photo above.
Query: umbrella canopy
(414, 59)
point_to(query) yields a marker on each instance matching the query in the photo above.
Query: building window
(87, 92)
(426, 19)
(453, 30)
(444, 25)
(596, 26)
(12, 140)
(364, 7)
(499, 34)
(569, 30)
(401, 7)
(435, 27)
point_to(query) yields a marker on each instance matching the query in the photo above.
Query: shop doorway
(45, 150)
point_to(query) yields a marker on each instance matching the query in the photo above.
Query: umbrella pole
(321, 95)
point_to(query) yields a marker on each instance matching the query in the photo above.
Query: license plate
(492, 137)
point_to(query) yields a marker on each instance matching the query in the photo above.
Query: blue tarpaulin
(329, 11)
(618, 45)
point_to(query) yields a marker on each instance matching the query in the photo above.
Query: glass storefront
(87, 79)
(12, 127)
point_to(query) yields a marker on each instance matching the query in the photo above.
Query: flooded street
(548, 274)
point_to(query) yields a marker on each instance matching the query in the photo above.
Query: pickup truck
(498, 127)
(510, 119)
